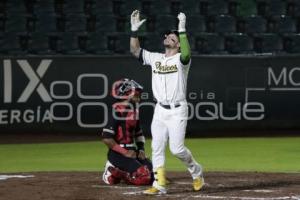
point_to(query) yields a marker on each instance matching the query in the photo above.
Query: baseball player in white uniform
(169, 82)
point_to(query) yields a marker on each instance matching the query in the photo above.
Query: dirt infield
(88, 186)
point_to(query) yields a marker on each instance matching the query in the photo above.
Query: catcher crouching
(124, 137)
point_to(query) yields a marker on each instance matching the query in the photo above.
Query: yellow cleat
(154, 191)
(198, 183)
(159, 185)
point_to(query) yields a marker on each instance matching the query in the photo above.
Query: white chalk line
(5, 177)
(183, 183)
(114, 186)
(262, 191)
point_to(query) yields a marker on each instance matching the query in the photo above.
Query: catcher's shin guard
(142, 176)
(111, 180)
(108, 177)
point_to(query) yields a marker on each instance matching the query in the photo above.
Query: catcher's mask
(125, 89)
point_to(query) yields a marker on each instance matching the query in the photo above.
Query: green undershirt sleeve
(184, 48)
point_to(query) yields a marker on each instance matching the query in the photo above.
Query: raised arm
(184, 43)
(135, 25)
(135, 46)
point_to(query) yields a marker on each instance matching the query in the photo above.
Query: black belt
(169, 106)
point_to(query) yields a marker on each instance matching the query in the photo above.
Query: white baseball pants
(170, 124)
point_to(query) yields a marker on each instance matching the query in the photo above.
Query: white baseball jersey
(169, 76)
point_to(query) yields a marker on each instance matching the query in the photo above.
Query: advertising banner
(72, 94)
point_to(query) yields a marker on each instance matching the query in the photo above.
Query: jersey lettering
(164, 69)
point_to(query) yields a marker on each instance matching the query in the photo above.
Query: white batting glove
(182, 20)
(135, 20)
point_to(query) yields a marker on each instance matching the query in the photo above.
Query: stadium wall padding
(72, 94)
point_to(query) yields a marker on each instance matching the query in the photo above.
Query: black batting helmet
(125, 88)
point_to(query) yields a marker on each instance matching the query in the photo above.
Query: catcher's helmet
(125, 88)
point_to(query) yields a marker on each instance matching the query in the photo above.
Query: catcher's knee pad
(108, 177)
(142, 176)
